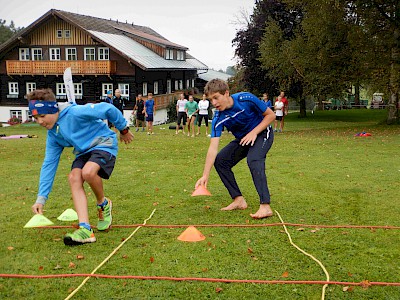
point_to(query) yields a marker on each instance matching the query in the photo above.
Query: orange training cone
(191, 234)
(201, 191)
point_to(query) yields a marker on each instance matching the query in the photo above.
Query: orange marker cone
(201, 191)
(191, 234)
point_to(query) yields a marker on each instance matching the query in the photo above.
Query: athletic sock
(105, 202)
(85, 225)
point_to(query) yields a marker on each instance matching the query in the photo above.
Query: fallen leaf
(248, 241)
(247, 221)
(207, 207)
(80, 257)
(300, 229)
(348, 273)
(313, 231)
(156, 189)
(10, 248)
(41, 268)
(209, 244)
(254, 258)
(124, 283)
(155, 203)
(285, 274)
(124, 256)
(57, 267)
(71, 289)
(152, 259)
(204, 270)
(57, 239)
(249, 250)
(365, 284)
(347, 288)
(218, 290)
(71, 265)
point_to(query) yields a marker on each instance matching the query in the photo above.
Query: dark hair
(42, 94)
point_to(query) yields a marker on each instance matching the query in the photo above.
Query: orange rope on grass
(363, 284)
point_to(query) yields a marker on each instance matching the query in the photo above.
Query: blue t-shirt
(245, 114)
(149, 106)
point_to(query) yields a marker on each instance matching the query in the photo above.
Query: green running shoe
(105, 217)
(79, 237)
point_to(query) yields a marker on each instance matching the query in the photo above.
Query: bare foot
(264, 211)
(238, 203)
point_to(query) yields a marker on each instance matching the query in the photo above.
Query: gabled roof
(119, 37)
(211, 74)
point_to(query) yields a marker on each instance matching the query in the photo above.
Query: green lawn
(318, 173)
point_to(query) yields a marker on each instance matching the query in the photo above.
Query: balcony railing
(55, 67)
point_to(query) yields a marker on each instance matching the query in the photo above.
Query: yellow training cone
(68, 215)
(201, 191)
(191, 234)
(38, 221)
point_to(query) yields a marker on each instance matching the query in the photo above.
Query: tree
(7, 31)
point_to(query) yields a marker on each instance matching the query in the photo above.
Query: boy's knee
(74, 178)
(88, 174)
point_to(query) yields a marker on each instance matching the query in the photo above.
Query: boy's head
(150, 96)
(43, 107)
(109, 93)
(217, 90)
(265, 96)
(191, 98)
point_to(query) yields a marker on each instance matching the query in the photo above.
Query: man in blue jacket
(95, 147)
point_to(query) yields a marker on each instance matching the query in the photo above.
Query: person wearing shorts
(139, 107)
(181, 113)
(149, 113)
(203, 113)
(191, 108)
(279, 112)
(95, 147)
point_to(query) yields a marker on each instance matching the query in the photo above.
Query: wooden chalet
(103, 55)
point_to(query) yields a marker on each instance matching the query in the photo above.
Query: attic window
(180, 55)
(59, 33)
(67, 34)
(169, 53)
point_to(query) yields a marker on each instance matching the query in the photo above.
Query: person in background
(181, 113)
(149, 111)
(267, 100)
(278, 108)
(109, 99)
(191, 108)
(285, 109)
(203, 113)
(118, 101)
(139, 107)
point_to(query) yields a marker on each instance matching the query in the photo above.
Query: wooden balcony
(57, 67)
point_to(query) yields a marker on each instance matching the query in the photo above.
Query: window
(55, 53)
(78, 89)
(106, 87)
(104, 54)
(90, 54)
(180, 55)
(70, 53)
(187, 83)
(60, 89)
(24, 54)
(36, 53)
(13, 88)
(30, 86)
(155, 88)
(16, 114)
(181, 84)
(67, 34)
(169, 53)
(192, 82)
(59, 33)
(124, 89)
(169, 90)
(144, 89)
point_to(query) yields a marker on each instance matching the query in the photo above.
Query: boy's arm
(210, 159)
(251, 137)
(47, 173)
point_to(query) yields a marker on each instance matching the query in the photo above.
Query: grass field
(318, 173)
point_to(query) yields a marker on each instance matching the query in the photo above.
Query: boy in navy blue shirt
(248, 118)
(149, 111)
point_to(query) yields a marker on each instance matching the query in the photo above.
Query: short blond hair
(216, 86)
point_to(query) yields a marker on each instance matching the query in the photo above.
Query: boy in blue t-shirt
(95, 147)
(149, 110)
(249, 119)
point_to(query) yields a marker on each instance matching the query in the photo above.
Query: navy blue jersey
(245, 114)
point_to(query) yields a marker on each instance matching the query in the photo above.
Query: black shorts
(182, 116)
(150, 118)
(105, 160)
(279, 118)
(140, 117)
(201, 119)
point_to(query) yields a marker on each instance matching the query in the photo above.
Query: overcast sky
(206, 27)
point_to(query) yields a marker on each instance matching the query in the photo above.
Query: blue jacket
(81, 127)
